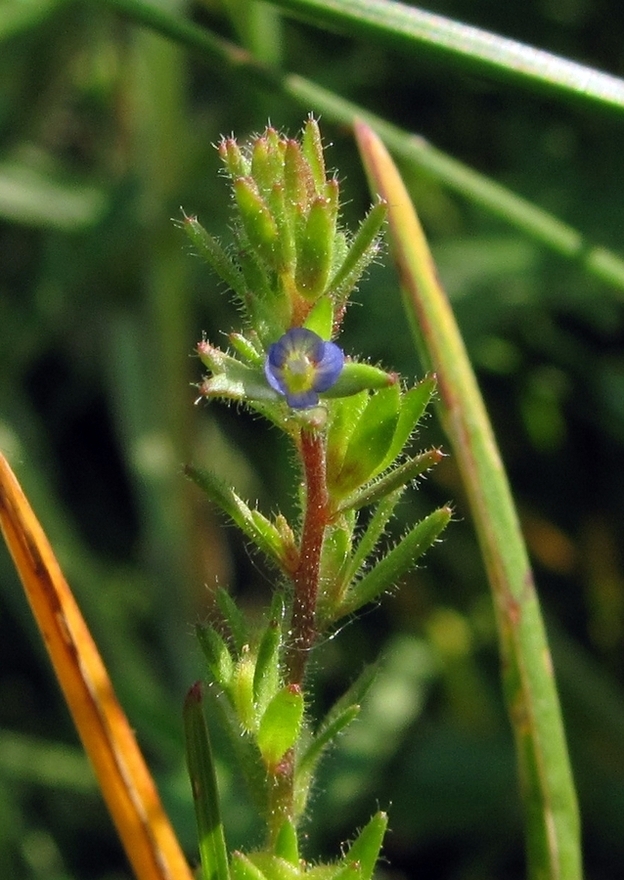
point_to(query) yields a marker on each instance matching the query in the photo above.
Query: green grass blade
(552, 821)
(477, 188)
(408, 28)
(212, 850)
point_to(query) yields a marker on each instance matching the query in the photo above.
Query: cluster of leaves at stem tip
(292, 269)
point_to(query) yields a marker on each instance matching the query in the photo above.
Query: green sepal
(312, 149)
(369, 442)
(398, 477)
(241, 691)
(231, 379)
(315, 246)
(275, 868)
(201, 770)
(320, 319)
(397, 562)
(276, 200)
(348, 869)
(280, 725)
(366, 847)
(217, 655)
(267, 673)
(356, 377)
(234, 619)
(298, 180)
(414, 401)
(257, 220)
(247, 349)
(267, 161)
(286, 843)
(252, 523)
(362, 251)
(215, 255)
(236, 163)
(242, 868)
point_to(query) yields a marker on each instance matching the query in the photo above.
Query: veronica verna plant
(292, 270)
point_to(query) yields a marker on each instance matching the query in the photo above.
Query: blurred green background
(106, 130)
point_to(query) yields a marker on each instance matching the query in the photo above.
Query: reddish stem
(306, 576)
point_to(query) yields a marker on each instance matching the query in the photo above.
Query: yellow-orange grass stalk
(126, 783)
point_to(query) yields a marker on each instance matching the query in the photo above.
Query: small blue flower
(300, 365)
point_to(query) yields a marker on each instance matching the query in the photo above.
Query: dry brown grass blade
(127, 786)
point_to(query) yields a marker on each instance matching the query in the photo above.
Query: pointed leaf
(370, 441)
(413, 405)
(398, 477)
(242, 868)
(366, 847)
(267, 672)
(217, 655)
(361, 253)
(252, 523)
(215, 255)
(234, 618)
(280, 724)
(286, 843)
(201, 769)
(397, 562)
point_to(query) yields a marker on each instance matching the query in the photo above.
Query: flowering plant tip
(300, 365)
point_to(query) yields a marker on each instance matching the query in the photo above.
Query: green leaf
(369, 442)
(325, 737)
(395, 479)
(371, 536)
(320, 319)
(267, 673)
(257, 220)
(275, 868)
(362, 251)
(315, 247)
(413, 405)
(201, 769)
(312, 149)
(280, 725)
(356, 377)
(397, 562)
(345, 414)
(242, 691)
(286, 843)
(252, 523)
(234, 618)
(215, 255)
(366, 847)
(231, 379)
(242, 868)
(217, 655)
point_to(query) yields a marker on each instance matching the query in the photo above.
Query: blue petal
(301, 348)
(303, 400)
(329, 367)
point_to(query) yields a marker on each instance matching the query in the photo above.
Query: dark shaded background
(105, 131)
